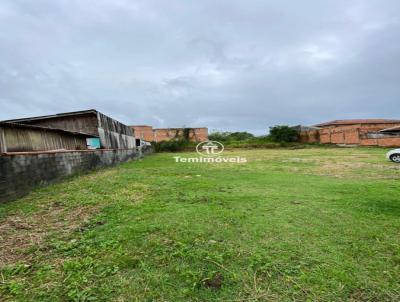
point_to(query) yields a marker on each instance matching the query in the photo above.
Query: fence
(21, 172)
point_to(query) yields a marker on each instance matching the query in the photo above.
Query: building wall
(20, 139)
(382, 142)
(389, 142)
(147, 133)
(200, 134)
(380, 139)
(113, 134)
(325, 136)
(355, 135)
(20, 173)
(311, 136)
(166, 134)
(352, 136)
(144, 133)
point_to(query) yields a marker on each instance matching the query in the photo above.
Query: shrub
(179, 143)
(218, 136)
(230, 136)
(241, 136)
(174, 145)
(283, 133)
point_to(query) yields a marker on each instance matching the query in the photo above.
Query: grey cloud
(227, 65)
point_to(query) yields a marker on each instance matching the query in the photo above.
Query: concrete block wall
(21, 172)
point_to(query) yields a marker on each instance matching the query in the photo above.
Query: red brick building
(143, 132)
(366, 132)
(149, 134)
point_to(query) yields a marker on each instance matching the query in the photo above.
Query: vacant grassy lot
(290, 225)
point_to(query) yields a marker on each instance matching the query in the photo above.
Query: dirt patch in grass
(22, 234)
(357, 170)
(215, 282)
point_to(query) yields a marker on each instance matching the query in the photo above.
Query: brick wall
(337, 136)
(356, 135)
(144, 133)
(389, 142)
(166, 134)
(311, 136)
(149, 134)
(382, 142)
(200, 134)
(21, 172)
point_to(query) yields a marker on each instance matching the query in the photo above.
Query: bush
(241, 136)
(283, 134)
(174, 145)
(218, 136)
(179, 143)
(230, 136)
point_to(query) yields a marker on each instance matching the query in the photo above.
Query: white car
(394, 155)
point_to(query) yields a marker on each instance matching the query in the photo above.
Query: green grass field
(315, 224)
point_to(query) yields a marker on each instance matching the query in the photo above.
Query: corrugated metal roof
(51, 116)
(358, 121)
(10, 124)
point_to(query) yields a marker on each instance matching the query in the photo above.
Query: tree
(283, 133)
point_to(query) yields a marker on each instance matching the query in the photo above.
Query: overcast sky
(227, 65)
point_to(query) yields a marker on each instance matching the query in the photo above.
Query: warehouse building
(102, 131)
(26, 138)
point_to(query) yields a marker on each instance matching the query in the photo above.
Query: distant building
(366, 132)
(308, 134)
(100, 131)
(148, 133)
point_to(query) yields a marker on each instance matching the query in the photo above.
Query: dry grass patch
(20, 233)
